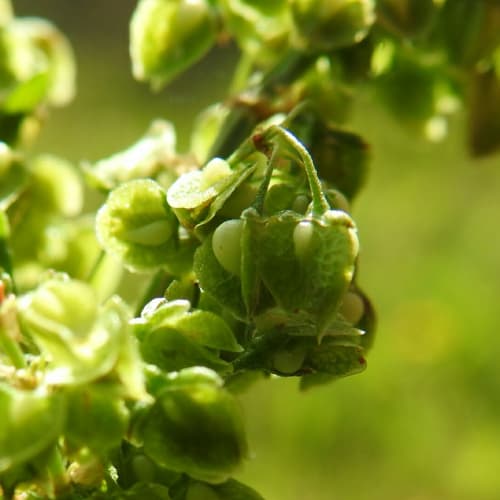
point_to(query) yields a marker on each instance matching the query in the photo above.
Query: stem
(320, 204)
(105, 276)
(261, 194)
(156, 288)
(57, 470)
(242, 119)
(5, 253)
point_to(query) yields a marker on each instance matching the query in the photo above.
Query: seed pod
(306, 263)
(168, 36)
(196, 427)
(331, 24)
(137, 225)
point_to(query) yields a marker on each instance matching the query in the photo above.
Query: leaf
(196, 427)
(203, 327)
(31, 421)
(209, 330)
(171, 350)
(13, 177)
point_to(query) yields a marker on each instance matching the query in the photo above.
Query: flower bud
(168, 36)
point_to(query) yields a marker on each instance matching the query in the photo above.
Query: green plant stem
(261, 194)
(57, 471)
(156, 288)
(242, 119)
(105, 276)
(320, 203)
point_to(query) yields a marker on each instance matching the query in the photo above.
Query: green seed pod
(306, 263)
(331, 24)
(137, 225)
(196, 427)
(168, 36)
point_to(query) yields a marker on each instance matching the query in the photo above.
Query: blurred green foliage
(422, 422)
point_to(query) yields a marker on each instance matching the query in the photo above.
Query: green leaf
(170, 349)
(13, 177)
(192, 193)
(31, 422)
(202, 327)
(196, 427)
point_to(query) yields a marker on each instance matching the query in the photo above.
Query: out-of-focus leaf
(196, 427)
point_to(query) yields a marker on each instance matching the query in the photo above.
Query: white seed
(226, 245)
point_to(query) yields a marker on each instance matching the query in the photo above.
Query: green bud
(168, 36)
(331, 24)
(137, 225)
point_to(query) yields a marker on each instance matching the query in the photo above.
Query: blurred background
(423, 422)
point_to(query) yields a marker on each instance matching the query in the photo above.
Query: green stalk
(57, 471)
(320, 203)
(242, 119)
